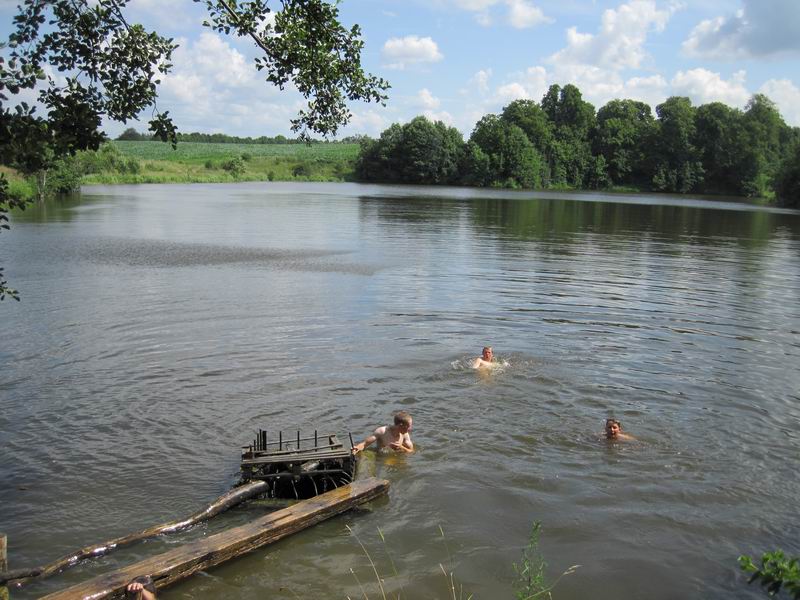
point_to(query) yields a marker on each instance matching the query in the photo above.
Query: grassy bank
(214, 163)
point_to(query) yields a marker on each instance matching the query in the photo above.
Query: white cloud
(787, 96)
(412, 49)
(704, 86)
(481, 80)
(427, 100)
(443, 116)
(761, 28)
(370, 121)
(652, 90)
(523, 14)
(510, 92)
(620, 41)
(475, 5)
(210, 98)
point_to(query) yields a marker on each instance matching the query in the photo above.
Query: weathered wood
(177, 564)
(20, 577)
(3, 563)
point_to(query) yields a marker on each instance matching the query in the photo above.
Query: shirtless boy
(614, 431)
(485, 359)
(394, 437)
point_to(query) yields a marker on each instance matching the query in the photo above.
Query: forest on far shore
(563, 143)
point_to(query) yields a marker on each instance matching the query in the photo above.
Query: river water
(161, 325)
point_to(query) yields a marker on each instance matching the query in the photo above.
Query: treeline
(131, 135)
(561, 142)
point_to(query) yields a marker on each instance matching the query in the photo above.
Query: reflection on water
(161, 325)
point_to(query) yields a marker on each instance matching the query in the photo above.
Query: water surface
(161, 325)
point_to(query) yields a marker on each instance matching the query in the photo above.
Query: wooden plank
(231, 498)
(202, 554)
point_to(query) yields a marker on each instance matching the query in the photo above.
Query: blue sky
(457, 60)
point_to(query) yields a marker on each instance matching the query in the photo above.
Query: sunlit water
(161, 325)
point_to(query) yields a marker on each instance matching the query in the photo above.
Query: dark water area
(161, 325)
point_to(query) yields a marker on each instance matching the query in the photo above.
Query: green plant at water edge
(531, 581)
(452, 584)
(776, 571)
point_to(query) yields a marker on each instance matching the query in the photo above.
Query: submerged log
(20, 577)
(177, 564)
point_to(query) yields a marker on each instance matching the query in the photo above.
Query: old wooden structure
(298, 467)
(201, 554)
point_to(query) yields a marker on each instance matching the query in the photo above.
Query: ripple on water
(140, 365)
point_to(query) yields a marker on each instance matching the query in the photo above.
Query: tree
(532, 119)
(112, 70)
(767, 137)
(787, 180)
(513, 161)
(677, 160)
(620, 136)
(418, 152)
(573, 120)
(720, 138)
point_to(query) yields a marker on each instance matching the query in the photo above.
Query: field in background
(206, 163)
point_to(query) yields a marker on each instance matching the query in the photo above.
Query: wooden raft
(177, 564)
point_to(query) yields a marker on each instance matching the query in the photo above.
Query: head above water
(403, 421)
(487, 353)
(613, 428)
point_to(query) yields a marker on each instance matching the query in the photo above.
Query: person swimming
(614, 432)
(486, 359)
(394, 437)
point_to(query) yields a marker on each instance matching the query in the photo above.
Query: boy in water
(614, 431)
(485, 359)
(395, 437)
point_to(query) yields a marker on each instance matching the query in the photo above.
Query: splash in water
(466, 364)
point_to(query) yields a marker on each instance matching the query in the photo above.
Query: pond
(161, 325)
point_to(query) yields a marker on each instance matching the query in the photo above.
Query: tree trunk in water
(41, 184)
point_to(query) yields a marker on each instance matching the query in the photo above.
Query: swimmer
(614, 432)
(395, 437)
(486, 359)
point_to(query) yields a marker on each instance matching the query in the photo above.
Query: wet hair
(613, 422)
(402, 417)
(485, 348)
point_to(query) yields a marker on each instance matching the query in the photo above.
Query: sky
(458, 60)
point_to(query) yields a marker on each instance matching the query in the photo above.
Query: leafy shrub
(209, 164)
(64, 177)
(776, 571)
(246, 156)
(271, 175)
(234, 166)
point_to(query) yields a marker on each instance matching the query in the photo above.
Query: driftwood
(20, 577)
(177, 564)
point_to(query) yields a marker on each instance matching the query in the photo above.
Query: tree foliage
(89, 63)
(419, 151)
(561, 142)
(787, 180)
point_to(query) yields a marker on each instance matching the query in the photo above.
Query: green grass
(194, 152)
(194, 162)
